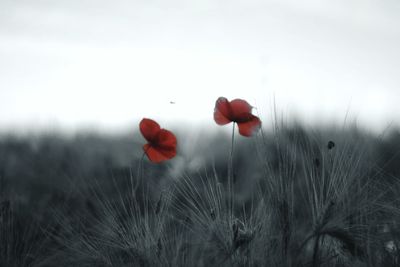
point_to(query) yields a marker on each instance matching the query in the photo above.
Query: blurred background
(103, 65)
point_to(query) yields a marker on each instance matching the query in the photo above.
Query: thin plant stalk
(230, 174)
(139, 175)
(316, 251)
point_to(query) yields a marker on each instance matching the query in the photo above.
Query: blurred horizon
(103, 65)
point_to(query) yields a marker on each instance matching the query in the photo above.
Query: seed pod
(244, 238)
(331, 145)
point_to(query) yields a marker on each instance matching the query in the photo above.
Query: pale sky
(107, 64)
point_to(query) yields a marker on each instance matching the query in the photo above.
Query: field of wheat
(288, 196)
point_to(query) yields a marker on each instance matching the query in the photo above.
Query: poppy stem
(230, 173)
(139, 174)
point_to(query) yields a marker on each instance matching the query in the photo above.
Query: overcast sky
(107, 64)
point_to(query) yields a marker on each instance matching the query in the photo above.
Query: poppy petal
(149, 129)
(166, 139)
(158, 155)
(249, 127)
(240, 109)
(222, 111)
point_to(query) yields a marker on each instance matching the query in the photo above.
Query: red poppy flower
(161, 143)
(237, 111)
